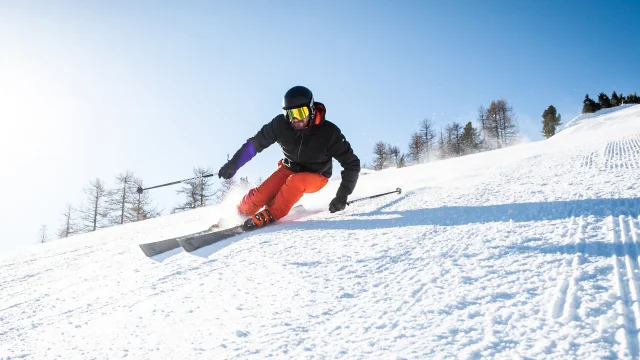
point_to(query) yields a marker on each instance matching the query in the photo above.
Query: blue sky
(90, 89)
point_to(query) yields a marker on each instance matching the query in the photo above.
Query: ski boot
(260, 219)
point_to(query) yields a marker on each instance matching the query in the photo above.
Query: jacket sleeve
(340, 149)
(260, 141)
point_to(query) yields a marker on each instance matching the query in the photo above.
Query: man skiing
(309, 143)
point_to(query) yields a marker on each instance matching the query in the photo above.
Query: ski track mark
(589, 160)
(623, 154)
(566, 301)
(625, 262)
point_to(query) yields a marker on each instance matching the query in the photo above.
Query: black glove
(227, 170)
(337, 204)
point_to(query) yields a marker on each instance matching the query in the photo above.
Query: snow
(525, 252)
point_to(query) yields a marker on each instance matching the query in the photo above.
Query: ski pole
(398, 191)
(140, 189)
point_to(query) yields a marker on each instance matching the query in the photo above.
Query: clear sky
(90, 89)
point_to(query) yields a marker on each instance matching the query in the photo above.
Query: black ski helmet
(297, 96)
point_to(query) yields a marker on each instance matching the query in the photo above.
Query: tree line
(497, 129)
(605, 102)
(105, 206)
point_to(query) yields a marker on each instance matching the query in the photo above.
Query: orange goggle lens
(299, 113)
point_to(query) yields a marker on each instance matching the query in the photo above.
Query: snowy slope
(525, 252)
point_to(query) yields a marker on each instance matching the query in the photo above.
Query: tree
(416, 148)
(428, 136)
(550, 121)
(482, 118)
(142, 208)
(442, 148)
(197, 191)
(633, 99)
(454, 139)
(393, 155)
(379, 153)
(604, 101)
(95, 212)
(615, 100)
(500, 124)
(588, 105)
(225, 186)
(470, 139)
(42, 234)
(122, 198)
(69, 227)
(401, 161)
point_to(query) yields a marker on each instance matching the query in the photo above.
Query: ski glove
(337, 204)
(227, 170)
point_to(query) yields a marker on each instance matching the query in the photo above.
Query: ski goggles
(298, 113)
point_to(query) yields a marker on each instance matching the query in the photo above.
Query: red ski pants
(280, 191)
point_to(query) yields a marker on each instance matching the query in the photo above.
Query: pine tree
(550, 121)
(470, 139)
(482, 119)
(615, 100)
(588, 105)
(69, 226)
(604, 101)
(416, 148)
(95, 211)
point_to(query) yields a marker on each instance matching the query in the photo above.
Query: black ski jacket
(310, 150)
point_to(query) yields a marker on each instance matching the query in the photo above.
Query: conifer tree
(588, 105)
(615, 100)
(470, 139)
(604, 101)
(550, 121)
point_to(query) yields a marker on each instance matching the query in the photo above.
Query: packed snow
(526, 252)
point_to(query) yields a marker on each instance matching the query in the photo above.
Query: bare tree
(197, 191)
(95, 212)
(42, 234)
(428, 136)
(121, 198)
(507, 122)
(380, 153)
(416, 148)
(392, 155)
(482, 118)
(69, 227)
(142, 208)
(225, 186)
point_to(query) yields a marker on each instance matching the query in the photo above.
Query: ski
(199, 239)
(159, 247)
(194, 242)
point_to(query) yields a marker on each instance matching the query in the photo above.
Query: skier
(308, 142)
